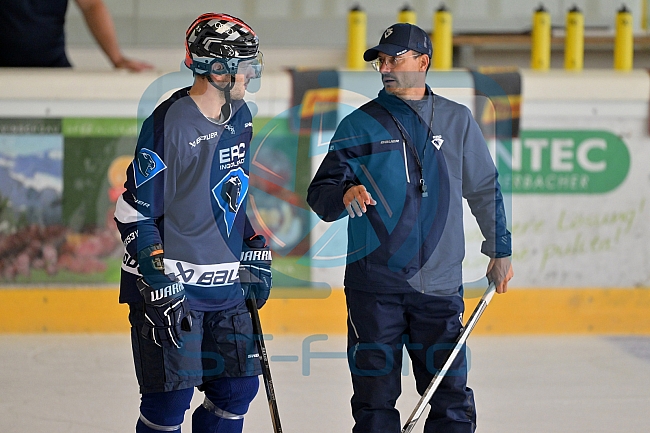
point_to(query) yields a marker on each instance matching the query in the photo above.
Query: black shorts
(220, 344)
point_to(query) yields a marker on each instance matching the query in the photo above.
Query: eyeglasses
(391, 62)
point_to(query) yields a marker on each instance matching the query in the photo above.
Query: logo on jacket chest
(437, 141)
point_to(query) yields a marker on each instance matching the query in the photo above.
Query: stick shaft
(266, 369)
(440, 374)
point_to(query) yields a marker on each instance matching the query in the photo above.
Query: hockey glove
(255, 269)
(166, 312)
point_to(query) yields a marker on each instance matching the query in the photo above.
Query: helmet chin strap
(225, 108)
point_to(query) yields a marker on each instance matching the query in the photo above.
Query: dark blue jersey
(186, 188)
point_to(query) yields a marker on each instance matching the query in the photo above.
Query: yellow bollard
(407, 15)
(442, 39)
(574, 44)
(357, 24)
(540, 53)
(624, 41)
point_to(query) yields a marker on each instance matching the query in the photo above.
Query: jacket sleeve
(482, 190)
(150, 183)
(334, 176)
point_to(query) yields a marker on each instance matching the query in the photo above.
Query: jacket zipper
(404, 134)
(406, 162)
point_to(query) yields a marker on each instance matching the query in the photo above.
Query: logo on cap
(388, 32)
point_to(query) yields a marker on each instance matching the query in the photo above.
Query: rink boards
(577, 170)
(520, 311)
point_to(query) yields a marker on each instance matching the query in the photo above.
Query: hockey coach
(399, 167)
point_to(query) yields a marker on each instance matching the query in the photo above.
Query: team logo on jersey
(230, 193)
(146, 165)
(230, 128)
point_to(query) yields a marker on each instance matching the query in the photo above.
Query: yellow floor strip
(62, 310)
(306, 312)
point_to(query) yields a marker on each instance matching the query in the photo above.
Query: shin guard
(226, 403)
(163, 411)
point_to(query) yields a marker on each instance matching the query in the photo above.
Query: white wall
(322, 23)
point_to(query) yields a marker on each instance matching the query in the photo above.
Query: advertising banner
(60, 181)
(581, 195)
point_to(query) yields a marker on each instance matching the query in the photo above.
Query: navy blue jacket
(408, 241)
(186, 188)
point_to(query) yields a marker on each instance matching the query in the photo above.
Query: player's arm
(166, 311)
(150, 184)
(255, 273)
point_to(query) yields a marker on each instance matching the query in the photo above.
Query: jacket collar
(395, 104)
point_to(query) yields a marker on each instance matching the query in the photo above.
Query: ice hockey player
(188, 266)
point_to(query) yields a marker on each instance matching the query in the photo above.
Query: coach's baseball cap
(398, 39)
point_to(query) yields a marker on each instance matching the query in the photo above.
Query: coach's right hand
(356, 199)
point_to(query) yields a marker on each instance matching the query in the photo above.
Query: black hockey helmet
(222, 44)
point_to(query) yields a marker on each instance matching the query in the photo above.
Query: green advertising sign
(563, 162)
(99, 127)
(36, 126)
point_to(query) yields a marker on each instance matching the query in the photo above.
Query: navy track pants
(379, 327)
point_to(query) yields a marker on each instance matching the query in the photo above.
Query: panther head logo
(230, 192)
(146, 163)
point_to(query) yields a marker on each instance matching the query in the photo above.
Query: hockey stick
(440, 374)
(264, 361)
